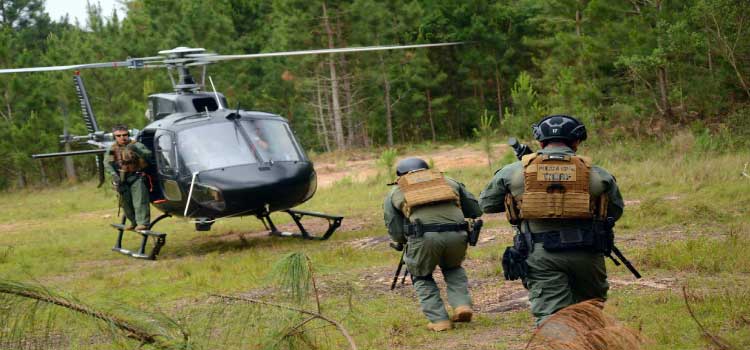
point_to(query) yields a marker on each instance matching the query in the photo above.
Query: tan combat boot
(141, 228)
(130, 227)
(462, 314)
(440, 326)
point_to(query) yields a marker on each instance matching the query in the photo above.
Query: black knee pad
(423, 278)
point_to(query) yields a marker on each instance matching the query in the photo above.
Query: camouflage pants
(135, 200)
(559, 279)
(423, 255)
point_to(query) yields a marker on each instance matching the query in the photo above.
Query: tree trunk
(664, 92)
(321, 112)
(429, 115)
(351, 130)
(578, 23)
(337, 122)
(708, 54)
(387, 101)
(21, 179)
(70, 169)
(481, 90)
(662, 76)
(728, 51)
(43, 172)
(499, 92)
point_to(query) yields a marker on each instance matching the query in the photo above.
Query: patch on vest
(556, 172)
(556, 187)
(424, 187)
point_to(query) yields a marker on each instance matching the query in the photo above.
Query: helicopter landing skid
(159, 240)
(334, 221)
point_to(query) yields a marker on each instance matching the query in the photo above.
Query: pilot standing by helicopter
(126, 160)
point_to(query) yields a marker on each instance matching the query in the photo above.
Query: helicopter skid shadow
(228, 242)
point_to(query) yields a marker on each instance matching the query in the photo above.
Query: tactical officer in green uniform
(426, 211)
(126, 160)
(559, 203)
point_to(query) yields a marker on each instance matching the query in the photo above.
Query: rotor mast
(181, 58)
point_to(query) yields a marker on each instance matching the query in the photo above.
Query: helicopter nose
(281, 185)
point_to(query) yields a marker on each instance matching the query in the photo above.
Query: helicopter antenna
(203, 76)
(216, 94)
(190, 193)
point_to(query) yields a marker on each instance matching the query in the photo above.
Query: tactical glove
(514, 264)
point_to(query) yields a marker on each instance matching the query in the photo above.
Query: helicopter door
(166, 162)
(146, 137)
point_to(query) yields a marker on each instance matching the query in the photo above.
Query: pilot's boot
(440, 326)
(462, 314)
(130, 227)
(141, 228)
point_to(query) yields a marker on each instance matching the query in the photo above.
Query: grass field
(685, 225)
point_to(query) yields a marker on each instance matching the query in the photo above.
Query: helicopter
(210, 161)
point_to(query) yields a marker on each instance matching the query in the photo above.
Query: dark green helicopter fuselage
(219, 162)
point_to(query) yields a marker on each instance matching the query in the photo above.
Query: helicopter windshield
(272, 139)
(213, 146)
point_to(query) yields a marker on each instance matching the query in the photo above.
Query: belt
(419, 229)
(538, 237)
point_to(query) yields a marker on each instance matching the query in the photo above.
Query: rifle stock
(625, 261)
(398, 247)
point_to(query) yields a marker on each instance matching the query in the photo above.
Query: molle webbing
(126, 159)
(423, 187)
(556, 186)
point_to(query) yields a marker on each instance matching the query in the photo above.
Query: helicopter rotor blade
(143, 62)
(211, 59)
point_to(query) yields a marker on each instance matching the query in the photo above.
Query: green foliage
(294, 276)
(527, 108)
(486, 134)
(662, 65)
(387, 161)
(37, 314)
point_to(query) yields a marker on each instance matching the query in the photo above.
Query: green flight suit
(445, 249)
(557, 279)
(134, 194)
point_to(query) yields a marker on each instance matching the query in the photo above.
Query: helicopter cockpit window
(272, 139)
(165, 154)
(213, 146)
(205, 103)
(164, 108)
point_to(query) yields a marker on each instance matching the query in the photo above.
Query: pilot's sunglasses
(122, 135)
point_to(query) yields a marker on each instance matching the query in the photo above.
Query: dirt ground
(361, 167)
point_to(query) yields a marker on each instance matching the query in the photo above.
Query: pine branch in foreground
(20, 315)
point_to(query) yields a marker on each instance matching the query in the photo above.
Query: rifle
(519, 149)
(399, 247)
(610, 224)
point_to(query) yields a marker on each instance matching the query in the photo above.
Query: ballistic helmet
(559, 127)
(410, 164)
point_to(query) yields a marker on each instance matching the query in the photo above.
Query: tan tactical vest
(556, 186)
(423, 187)
(126, 159)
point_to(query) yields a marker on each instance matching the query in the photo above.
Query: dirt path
(363, 166)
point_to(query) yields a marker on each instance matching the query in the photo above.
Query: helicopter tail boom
(83, 99)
